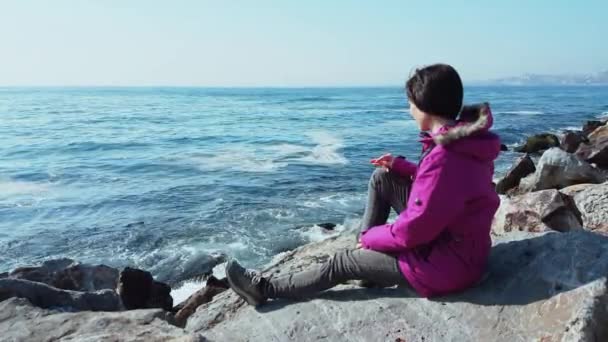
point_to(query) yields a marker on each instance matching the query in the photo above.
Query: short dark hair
(436, 89)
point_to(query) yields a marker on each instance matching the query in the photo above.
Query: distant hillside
(600, 78)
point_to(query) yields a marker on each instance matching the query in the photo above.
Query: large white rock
(20, 321)
(540, 287)
(592, 202)
(537, 211)
(557, 169)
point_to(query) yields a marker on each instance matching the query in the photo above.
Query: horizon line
(337, 86)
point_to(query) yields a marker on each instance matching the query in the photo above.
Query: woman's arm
(404, 167)
(434, 202)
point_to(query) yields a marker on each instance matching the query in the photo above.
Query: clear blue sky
(293, 42)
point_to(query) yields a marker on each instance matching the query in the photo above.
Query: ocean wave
(249, 158)
(12, 188)
(88, 146)
(238, 160)
(312, 99)
(602, 115)
(326, 151)
(521, 112)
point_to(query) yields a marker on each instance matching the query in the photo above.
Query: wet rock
(138, 290)
(591, 126)
(45, 296)
(504, 147)
(538, 143)
(536, 212)
(571, 140)
(592, 202)
(21, 321)
(212, 288)
(68, 274)
(160, 296)
(558, 169)
(520, 169)
(540, 286)
(596, 151)
(328, 226)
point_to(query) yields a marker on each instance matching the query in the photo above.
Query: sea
(162, 178)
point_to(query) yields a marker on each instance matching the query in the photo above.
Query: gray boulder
(46, 296)
(540, 287)
(68, 274)
(21, 321)
(520, 169)
(536, 212)
(558, 169)
(592, 202)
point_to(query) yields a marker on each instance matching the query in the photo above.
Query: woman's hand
(385, 161)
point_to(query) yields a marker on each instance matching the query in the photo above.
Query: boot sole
(248, 298)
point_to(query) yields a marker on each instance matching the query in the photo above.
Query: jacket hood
(471, 135)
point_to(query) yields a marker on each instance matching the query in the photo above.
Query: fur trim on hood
(473, 119)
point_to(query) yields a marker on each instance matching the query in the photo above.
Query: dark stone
(538, 143)
(596, 151)
(160, 297)
(328, 226)
(520, 169)
(503, 147)
(571, 140)
(591, 126)
(134, 288)
(138, 290)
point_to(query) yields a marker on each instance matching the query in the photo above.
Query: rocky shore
(547, 280)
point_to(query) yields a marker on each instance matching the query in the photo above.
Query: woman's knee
(379, 176)
(341, 262)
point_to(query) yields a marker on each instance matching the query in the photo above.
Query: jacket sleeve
(404, 167)
(434, 202)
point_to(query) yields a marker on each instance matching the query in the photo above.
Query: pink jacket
(442, 239)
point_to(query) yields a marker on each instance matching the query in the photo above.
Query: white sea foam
(327, 149)
(316, 233)
(10, 188)
(336, 201)
(238, 158)
(603, 115)
(188, 288)
(570, 128)
(249, 158)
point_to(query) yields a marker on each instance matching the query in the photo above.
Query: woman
(440, 242)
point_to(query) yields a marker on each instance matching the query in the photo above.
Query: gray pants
(385, 190)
